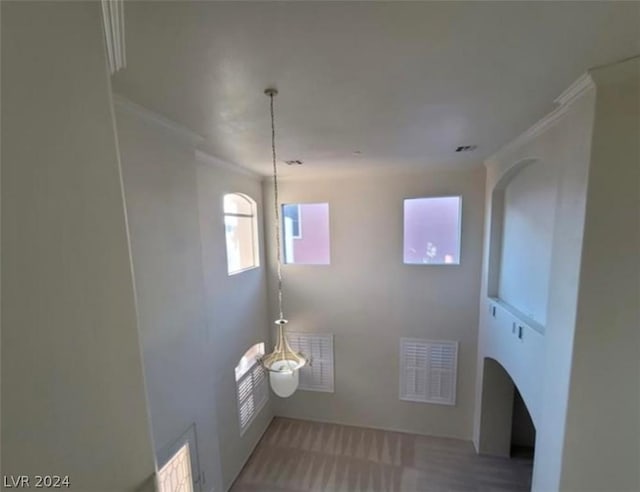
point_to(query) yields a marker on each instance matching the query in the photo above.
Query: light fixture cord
(276, 207)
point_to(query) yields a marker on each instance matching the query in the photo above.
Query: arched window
(251, 384)
(241, 233)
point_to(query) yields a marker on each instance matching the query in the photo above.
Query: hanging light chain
(271, 93)
(282, 353)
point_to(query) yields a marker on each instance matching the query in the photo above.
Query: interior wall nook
(548, 164)
(496, 224)
(550, 352)
(527, 240)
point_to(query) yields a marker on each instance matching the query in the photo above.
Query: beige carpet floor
(297, 455)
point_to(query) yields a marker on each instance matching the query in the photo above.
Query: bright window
(306, 233)
(432, 230)
(251, 383)
(241, 233)
(175, 475)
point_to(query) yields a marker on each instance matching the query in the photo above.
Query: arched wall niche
(497, 222)
(520, 240)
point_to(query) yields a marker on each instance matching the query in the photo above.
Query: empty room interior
(320, 246)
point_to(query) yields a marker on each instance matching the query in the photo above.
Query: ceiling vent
(295, 162)
(466, 148)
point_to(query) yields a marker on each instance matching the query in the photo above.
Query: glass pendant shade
(283, 383)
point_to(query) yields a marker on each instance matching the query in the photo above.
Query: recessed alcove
(523, 206)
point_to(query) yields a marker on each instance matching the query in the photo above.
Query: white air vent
(319, 375)
(428, 371)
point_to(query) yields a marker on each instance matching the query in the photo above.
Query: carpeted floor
(297, 455)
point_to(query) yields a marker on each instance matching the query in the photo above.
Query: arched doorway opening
(506, 427)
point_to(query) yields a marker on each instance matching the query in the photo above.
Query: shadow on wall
(523, 432)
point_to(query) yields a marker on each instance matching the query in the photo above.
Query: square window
(432, 230)
(306, 233)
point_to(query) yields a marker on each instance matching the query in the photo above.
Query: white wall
(235, 308)
(587, 375)
(73, 397)
(196, 321)
(162, 203)
(369, 299)
(602, 444)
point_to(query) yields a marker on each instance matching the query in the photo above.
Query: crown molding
(180, 131)
(113, 22)
(195, 140)
(564, 101)
(575, 90)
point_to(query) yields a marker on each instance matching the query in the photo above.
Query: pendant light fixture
(283, 363)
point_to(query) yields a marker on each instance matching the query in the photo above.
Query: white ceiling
(404, 83)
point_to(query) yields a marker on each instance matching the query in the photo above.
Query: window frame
(299, 212)
(255, 238)
(459, 235)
